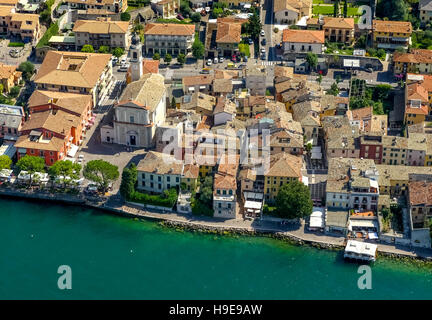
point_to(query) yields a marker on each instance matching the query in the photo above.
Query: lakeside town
(307, 116)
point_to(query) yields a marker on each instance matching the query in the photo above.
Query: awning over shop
(72, 151)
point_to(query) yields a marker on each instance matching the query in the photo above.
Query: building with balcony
(11, 120)
(169, 38)
(425, 11)
(101, 32)
(302, 41)
(76, 72)
(167, 9)
(352, 184)
(391, 34)
(415, 61)
(416, 103)
(79, 105)
(339, 29)
(20, 25)
(283, 168)
(225, 189)
(52, 134)
(290, 11)
(228, 37)
(9, 76)
(116, 6)
(420, 212)
(158, 172)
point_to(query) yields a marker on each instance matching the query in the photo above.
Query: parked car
(209, 62)
(114, 61)
(180, 17)
(263, 50)
(245, 59)
(262, 33)
(215, 60)
(203, 12)
(221, 59)
(91, 189)
(370, 70)
(264, 41)
(250, 41)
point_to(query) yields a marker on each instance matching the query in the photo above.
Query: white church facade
(141, 108)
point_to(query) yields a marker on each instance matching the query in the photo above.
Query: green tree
(216, 13)
(14, 91)
(101, 172)
(392, 9)
(138, 27)
(345, 9)
(31, 164)
(104, 49)
(254, 26)
(293, 201)
(181, 58)
(173, 103)
(27, 68)
(196, 17)
(185, 9)
(156, 56)
(206, 191)
(5, 162)
(319, 79)
(125, 16)
(198, 49)
(167, 58)
(88, 48)
(118, 52)
(336, 8)
(1, 88)
(65, 168)
(129, 179)
(334, 89)
(312, 60)
(308, 147)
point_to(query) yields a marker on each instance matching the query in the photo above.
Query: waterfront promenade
(297, 233)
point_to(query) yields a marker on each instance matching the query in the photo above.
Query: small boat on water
(360, 251)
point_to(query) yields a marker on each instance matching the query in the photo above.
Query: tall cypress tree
(336, 8)
(345, 10)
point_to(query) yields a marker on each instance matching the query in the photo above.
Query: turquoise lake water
(119, 258)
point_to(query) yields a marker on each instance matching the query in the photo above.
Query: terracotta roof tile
(303, 36)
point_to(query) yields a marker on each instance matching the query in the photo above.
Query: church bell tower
(136, 58)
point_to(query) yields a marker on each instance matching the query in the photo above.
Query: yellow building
(393, 180)
(415, 61)
(190, 177)
(283, 168)
(394, 150)
(339, 29)
(391, 34)
(418, 96)
(9, 76)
